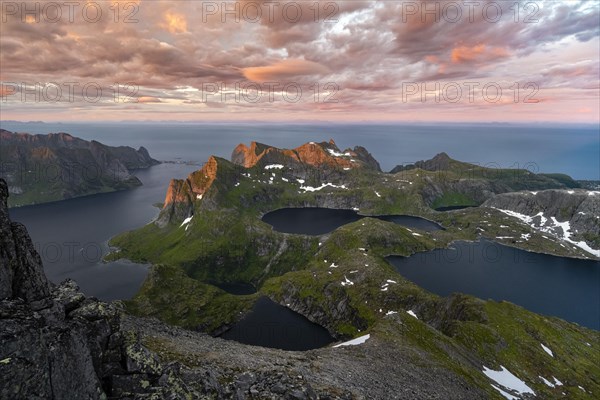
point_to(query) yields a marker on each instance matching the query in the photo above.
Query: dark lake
(71, 236)
(318, 221)
(557, 286)
(269, 324)
(237, 288)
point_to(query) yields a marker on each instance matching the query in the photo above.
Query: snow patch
(391, 312)
(391, 281)
(315, 189)
(505, 378)
(377, 194)
(186, 221)
(336, 154)
(504, 394)
(547, 382)
(547, 350)
(354, 342)
(560, 230)
(347, 282)
(274, 166)
(557, 382)
(412, 313)
(199, 196)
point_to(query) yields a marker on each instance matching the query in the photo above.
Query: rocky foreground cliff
(58, 166)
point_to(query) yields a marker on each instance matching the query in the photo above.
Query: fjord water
(71, 235)
(556, 286)
(269, 324)
(318, 221)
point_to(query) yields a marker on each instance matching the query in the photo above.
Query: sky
(339, 61)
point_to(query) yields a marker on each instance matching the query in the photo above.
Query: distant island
(58, 166)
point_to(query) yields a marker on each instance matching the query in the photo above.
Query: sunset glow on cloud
(340, 61)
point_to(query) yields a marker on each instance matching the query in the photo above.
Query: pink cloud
(477, 54)
(285, 69)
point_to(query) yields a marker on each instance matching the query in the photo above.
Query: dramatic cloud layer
(304, 60)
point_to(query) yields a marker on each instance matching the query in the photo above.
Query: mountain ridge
(58, 166)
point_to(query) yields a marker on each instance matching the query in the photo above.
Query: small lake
(558, 286)
(71, 235)
(318, 221)
(236, 288)
(269, 324)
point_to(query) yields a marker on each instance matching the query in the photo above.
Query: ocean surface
(574, 150)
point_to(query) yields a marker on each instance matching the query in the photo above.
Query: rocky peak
(440, 162)
(195, 185)
(182, 193)
(323, 154)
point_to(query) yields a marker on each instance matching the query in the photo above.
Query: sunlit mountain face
(248, 60)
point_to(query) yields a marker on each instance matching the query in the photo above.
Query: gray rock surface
(580, 208)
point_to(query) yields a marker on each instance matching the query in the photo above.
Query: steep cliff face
(21, 275)
(57, 166)
(53, 339)
(181, 194)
